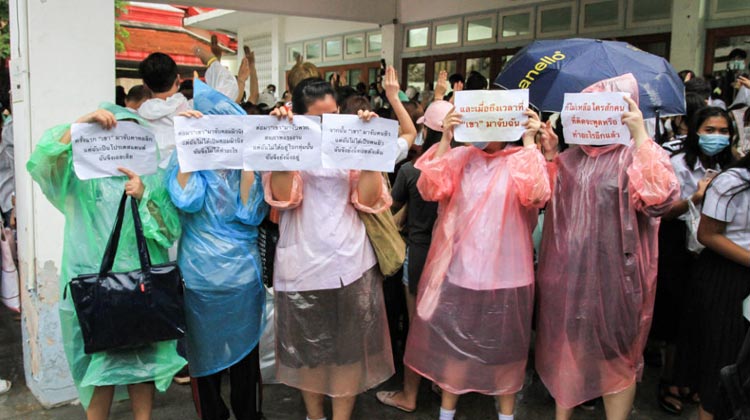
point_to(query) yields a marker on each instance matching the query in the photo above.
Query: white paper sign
(350, 143)
(491, 115)
(595, 118)
(97, 153)
(211, 142)
(278, 145)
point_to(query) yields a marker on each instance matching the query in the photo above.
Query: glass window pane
(333, 48)
(312, 51)
(446, 34)
(503, 61)
(375, 42)
(372, 75)
(448, 65)
(480, 64)
(417, 37)
(479, 29)
(516, 25)
(293, 52)
(601, 14)
(354, 76)
(651, 10)
(415, 75)
(355, 45)
(732, 5)
(557, 20)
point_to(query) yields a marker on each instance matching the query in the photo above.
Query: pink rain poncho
(597, 264)
(472, 328)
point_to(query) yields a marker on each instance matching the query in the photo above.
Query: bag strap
(140, 238)
(111, 251)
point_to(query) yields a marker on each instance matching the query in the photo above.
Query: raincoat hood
(625, 83)
(154, 109)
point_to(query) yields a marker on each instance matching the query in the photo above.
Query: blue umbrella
(549, 69)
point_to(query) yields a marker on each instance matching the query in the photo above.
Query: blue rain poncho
(218, 256)
(90, 208)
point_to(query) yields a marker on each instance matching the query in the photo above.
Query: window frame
(573, 5)
(532, 24)
(442, 22)
(423, 25)
(469, 19)
(582, 17)
(630, 23)
(338, 57)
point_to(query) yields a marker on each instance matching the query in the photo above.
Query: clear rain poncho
(596, 279)
(90, 208)
(218, 256)
(472, 328)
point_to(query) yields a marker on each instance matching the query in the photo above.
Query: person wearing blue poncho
(218, 256)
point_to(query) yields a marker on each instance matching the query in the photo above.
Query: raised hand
(441, 88)
(633, 118)
(390, 84)
(215, 47)
(191, 114)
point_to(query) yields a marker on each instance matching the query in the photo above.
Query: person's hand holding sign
(134, 187)
(633, 118)
(102, 117)
(532, 125)
(451, 120)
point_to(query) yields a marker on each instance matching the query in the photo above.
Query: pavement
(284, 403)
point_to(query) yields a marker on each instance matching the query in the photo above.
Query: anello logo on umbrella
(540, 66)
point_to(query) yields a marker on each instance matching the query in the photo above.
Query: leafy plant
(121, 34)
(4, 30)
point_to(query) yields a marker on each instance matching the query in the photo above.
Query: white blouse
(728, 200)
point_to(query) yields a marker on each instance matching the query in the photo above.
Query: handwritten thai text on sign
(278, 145)
(491, 115)
(98, 153)
(350, 143)
(209, 143)
(595, 118)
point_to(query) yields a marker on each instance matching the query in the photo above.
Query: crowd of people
(479, 292)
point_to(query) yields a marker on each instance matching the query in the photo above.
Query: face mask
(737, 65)
(712, 144)
(419, 140)
(373, 92)
(481, 145)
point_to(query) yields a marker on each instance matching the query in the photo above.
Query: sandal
(386, 398)
(669, 401)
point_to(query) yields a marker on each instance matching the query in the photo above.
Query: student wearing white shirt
(698, 159)
(721, 273)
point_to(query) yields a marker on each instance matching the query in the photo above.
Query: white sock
(501, 416)
(324, 418)
(446, 414)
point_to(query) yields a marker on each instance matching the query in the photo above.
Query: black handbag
(133, 309)
(268, 239)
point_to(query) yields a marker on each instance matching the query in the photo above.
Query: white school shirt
(688, 178)
(725, 204)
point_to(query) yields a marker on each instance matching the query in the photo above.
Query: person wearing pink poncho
(597, 267)
(472, 329)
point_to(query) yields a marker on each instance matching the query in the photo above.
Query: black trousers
(245, 391)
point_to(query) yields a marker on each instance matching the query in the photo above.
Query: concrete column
(688, 35)
(62, 66)
(393, 42)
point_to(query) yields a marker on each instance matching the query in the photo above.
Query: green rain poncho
(90, 208)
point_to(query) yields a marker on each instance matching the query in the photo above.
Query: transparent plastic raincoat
(472, 329)
(90, 208)
(598, 263)
(218, 256)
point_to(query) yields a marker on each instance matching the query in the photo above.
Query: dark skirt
(718, 288)
(675, 262)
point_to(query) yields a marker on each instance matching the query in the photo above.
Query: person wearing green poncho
(90, 208)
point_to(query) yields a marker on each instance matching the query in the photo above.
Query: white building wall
(62, 67)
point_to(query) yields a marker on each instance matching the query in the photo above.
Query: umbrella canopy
(549, 69)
